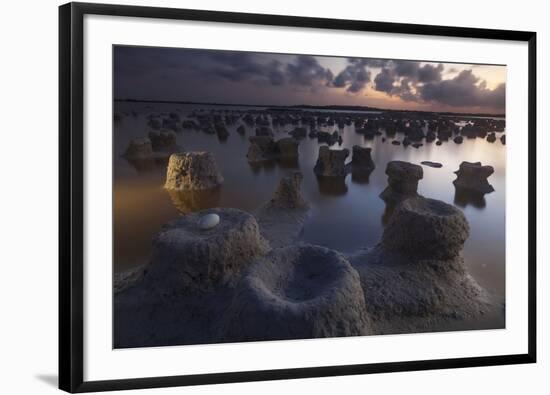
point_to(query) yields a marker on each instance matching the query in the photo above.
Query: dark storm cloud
(430, 73)
(414, 71)
(306, 71)
(397, 77)
(405, 68)
(464, 90)
(354, 77)
(227, 65)
(207, 74)
(342, 79)
(383, 82)
(243, 66)
(412, 82)
(236, 66)
(275, 73)
(404, 90)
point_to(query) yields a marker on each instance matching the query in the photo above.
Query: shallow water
(346, 214)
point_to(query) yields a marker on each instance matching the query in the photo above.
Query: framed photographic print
(253, 197)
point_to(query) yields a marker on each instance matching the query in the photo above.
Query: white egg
(208, 221)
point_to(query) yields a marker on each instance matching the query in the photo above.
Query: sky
(235, 77)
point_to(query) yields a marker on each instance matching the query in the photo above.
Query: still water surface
(345, 215)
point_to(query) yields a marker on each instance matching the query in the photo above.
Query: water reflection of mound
(269, 165)
(288, 162)
(332, 186)
(191, 201)
(361, 176)
(465, 197)
(143, 165)
(222, 138)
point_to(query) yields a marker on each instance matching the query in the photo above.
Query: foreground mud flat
(249, 278)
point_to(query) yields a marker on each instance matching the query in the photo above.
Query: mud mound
(421, 227)
(473, 177)
(403, 180)
(189, 171)
(297, 292)
(188, 257)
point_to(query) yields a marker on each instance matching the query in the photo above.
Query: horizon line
(334, 106)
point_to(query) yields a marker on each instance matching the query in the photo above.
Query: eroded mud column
(427, 229)
(472, 176)
(288, 194)
(403, 180)
(297, 292)
(204, 249)
(331, 163)
(191, 171)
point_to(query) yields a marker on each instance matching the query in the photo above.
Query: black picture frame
(71, 204)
